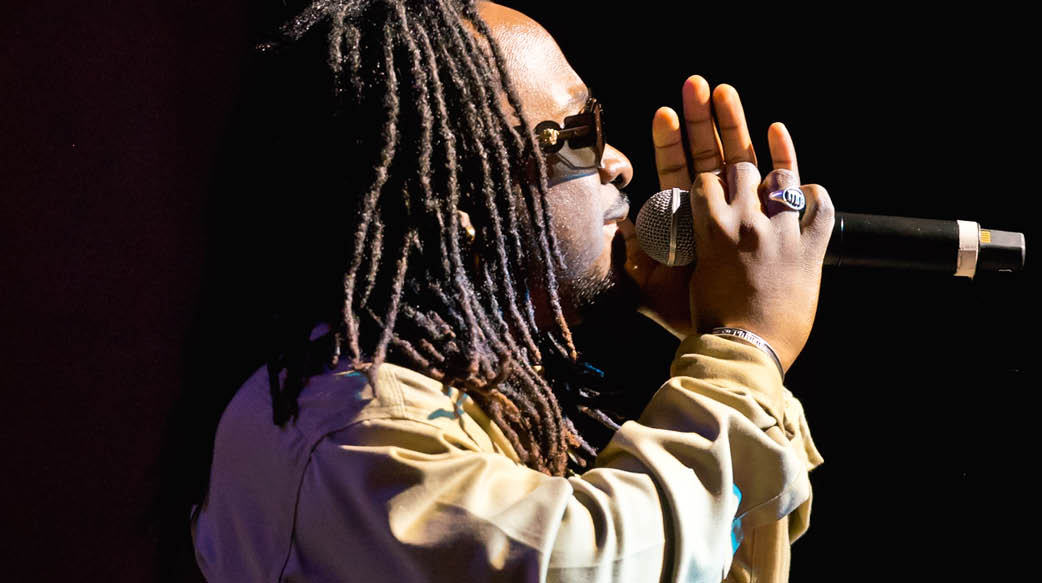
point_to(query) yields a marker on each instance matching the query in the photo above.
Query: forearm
(661, 498)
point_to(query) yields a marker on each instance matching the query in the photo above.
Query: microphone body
(665, 231)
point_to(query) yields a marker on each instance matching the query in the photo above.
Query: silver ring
(716, 171)
(791, 198)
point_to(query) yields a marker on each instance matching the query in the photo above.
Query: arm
(413, 499)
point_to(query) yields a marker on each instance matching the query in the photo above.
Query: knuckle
(705, 182)
(824, 217)
(743, 173)
(703, 155)
(824, 202)
(782, 173)
(672, 168)
(828, 214)
(818, 192)
(746, 167)
(779, 179)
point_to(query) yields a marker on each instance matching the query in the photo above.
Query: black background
(916, 385)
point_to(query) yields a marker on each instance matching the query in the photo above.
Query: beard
(596, 296)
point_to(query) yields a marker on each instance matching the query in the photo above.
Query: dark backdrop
(916, 385)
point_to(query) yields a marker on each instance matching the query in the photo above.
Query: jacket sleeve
(721, 447)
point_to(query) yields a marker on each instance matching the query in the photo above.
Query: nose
(615, 167)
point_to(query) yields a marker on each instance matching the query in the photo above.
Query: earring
(468, 229)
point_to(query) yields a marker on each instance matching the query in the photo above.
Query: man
(421, 419)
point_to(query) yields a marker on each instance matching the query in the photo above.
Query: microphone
(665, 230)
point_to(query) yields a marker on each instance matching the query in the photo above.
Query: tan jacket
(408, 480)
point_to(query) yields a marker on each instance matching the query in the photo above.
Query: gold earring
(464, 223)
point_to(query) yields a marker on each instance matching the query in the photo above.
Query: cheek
(578, 222)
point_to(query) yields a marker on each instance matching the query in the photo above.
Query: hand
(664, 289)
(753, 270)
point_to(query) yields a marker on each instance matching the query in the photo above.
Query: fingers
(711, 210)
(734, 133)
(779, 179)
(783, 152)
(669, 150)
(784, 220)
(703, 140)
(743, 182)
(709, 207)
(712, 143)
(726, 143)
(785, 175)
(819, 218)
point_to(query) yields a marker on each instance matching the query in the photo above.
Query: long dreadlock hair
(388, 134)
(410, 83)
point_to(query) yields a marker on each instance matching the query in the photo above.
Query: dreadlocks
(381, 120)
(411, 289)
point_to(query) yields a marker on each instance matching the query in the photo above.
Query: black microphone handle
(897, 242)
(955, 247)
(665, 230)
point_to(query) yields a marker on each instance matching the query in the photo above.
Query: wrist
(751, 338)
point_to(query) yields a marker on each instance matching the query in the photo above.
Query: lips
(618, 212)
(619, 209)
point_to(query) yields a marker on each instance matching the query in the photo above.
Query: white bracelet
(751, 339)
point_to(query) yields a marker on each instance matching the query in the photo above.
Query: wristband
(751, 339)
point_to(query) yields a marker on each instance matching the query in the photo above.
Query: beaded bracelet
(751, 339)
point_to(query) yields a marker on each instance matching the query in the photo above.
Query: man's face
(587, 206)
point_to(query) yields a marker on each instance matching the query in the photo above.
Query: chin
(608, 290)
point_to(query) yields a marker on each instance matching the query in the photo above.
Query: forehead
(547, 85)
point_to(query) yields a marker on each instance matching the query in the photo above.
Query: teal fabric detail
(736, 526)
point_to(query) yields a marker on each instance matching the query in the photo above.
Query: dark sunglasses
(577, 147)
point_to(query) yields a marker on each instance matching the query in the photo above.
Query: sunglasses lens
(578, 158)
(575, 150)
(585, 148)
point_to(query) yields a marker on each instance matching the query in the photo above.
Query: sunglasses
(575, 149)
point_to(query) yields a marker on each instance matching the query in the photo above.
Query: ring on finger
(792, 199)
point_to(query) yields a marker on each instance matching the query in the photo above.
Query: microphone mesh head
(665, 229)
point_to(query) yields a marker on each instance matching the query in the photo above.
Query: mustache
(619, 206)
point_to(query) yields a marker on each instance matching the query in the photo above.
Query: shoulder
(337, 400)
(414, 403)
